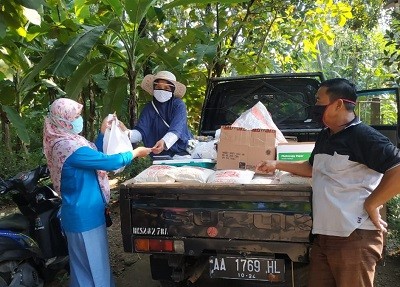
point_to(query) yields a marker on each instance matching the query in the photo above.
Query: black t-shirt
(362, 143)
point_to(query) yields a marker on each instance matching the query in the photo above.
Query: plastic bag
(205, 150)
(116, 141)
(258, 117)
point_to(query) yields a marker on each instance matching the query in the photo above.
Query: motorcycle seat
(14, 222)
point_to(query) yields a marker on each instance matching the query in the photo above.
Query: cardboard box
(244, 149)
(294, 151)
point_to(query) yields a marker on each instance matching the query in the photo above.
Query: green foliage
(13, 163)
(137, 166)
(17, 122)
(378, 108)
(392, 47)
(69, 56)
(393, 218)
(80, 77)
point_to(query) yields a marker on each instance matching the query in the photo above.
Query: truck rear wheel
(300, 274)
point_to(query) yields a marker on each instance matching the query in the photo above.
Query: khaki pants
(345, 261)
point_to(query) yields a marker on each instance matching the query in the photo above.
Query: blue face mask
(77, 125)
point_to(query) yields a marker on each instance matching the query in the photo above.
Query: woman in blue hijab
(163, 121)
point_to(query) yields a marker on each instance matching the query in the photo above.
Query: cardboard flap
(241, 136)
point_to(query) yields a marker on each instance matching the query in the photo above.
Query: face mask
(77, 125)
(318, 113)
(162, 96)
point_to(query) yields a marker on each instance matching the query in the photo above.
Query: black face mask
(318, 113)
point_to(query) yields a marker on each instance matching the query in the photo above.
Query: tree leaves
(187, 2)
(71, 55)
(81, 76)
(17, 122)
(117, 94)
(137, 9)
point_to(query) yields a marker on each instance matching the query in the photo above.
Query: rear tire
(300, 271)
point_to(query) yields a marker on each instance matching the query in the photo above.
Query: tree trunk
(132, 104)
(92, 111)
(5, 128)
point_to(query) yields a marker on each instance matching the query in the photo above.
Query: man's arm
(387, 188)
(302, 168)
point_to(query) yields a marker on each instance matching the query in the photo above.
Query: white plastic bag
(258, 117)
(205, 150)
(116, 141)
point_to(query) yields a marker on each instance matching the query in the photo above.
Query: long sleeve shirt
(82, 199)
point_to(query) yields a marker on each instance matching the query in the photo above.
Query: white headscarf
(59, 142)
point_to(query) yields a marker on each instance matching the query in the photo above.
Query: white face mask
(162, 96)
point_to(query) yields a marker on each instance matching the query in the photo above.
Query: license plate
(262, 269)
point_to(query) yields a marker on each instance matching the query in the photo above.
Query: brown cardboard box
(244, 149)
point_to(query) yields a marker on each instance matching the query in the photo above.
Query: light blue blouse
(82, 199)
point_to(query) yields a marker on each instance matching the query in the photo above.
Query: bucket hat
(148, 80)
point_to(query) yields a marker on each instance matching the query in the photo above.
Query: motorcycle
(33, 247)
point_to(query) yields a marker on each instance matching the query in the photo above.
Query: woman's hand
(107, 123)
(122, 126)
(141, 151)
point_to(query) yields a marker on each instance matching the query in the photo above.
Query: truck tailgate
(191, 212)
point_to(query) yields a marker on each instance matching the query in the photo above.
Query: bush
(137, 166)
(15, 162)
(393, 217)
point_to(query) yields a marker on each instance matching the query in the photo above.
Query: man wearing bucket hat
(163, 121)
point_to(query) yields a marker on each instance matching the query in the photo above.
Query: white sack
(155, 173)
(289, 178)
(236, 176)
(264, 179)
(190, 174)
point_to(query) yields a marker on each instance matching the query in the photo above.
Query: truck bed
(247, 218)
